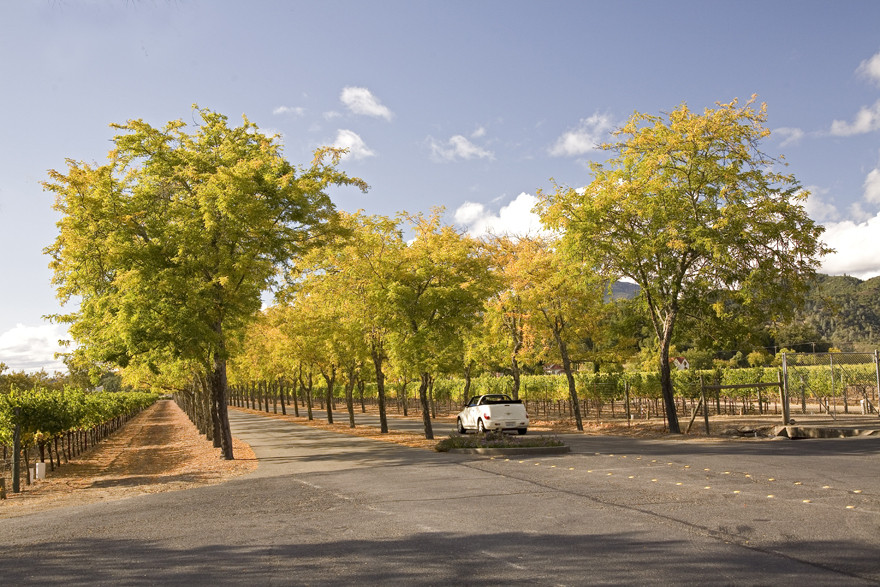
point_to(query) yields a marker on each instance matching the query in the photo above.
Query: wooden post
(705, 406)
(693, 417)
(877, 376)
(16, 453)
(2, 488)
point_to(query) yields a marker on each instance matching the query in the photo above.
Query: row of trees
(689, 209)
(170, 245)
(440, 303)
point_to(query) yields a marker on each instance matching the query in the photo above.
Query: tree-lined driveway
(330, 509)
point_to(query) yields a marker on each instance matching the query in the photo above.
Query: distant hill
(840, 309)
(844, 310)
(624, 290)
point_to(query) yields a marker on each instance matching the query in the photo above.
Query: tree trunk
(431, 399)
(514, 369)
(466, 392)
(572, 391)
(426, 409)
(349, 395)
(216, 435)
(282, 396)
(308, 390)
(514, 364)
(378, 357)
(402, 394)
(330, 379)
(666, 383)
(218, 391)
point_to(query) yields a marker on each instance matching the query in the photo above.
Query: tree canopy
(170, 244)
(693, 211)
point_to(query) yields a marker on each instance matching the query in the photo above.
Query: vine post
(877, 376)
(16, 453)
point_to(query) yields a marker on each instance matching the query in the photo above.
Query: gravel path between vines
(158, 450)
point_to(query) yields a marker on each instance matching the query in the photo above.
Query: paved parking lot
(329, 509)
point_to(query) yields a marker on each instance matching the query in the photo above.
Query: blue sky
(472, 105)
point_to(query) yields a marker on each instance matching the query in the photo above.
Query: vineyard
(46, 425)
(816, 383)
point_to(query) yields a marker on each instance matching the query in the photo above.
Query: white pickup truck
(493, 412)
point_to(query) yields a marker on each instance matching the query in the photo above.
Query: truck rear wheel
(522, 431)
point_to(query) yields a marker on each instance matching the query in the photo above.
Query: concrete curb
(517, 450)
(824, 432)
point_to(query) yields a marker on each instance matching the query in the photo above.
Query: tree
(561, 302)
(360, 265)
(436, 294)
(695, 213)
(505, 317)
(170, 245)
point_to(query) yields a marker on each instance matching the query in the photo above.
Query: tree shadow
(430, 559)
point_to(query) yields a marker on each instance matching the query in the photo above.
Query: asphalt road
(328, 509)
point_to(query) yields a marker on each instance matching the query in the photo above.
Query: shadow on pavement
(429, 558)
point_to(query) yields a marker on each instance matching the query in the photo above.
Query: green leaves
(689, 207)
(179, 233)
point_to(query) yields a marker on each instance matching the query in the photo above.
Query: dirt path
(158, 450)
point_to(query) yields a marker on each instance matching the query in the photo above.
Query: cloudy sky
(472, 105)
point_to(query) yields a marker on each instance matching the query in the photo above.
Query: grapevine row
(60, 423)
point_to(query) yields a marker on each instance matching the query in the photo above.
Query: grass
(495, 440)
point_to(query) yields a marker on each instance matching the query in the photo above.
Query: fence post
(16, 454)
(877, 375)
(833, 396)
(705, 405)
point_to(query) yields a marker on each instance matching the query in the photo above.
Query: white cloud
(872, 186)
(867, 120)
(857, 248)
(790, 136)
(31, 348)
(514, 219)
(357, 148)
(458, 147)
(585, 138)
(817, 208)
(870, 68)
(858, 213)
(295, 110)
(362, 101)
(480, 132)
